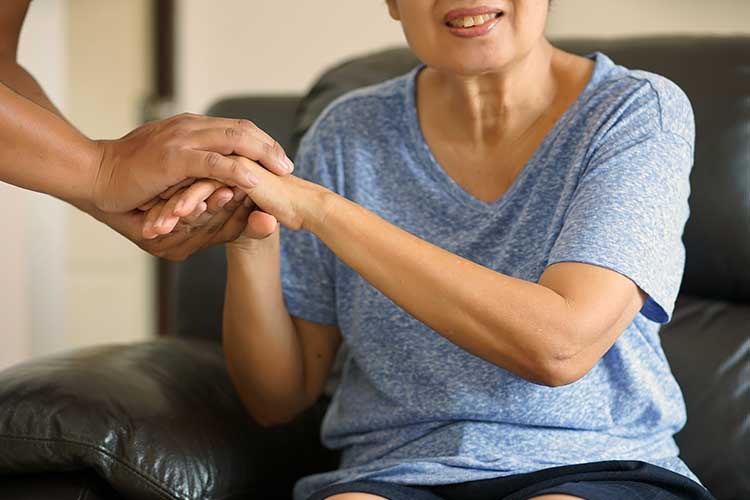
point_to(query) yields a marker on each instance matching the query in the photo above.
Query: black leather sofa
(160, 420)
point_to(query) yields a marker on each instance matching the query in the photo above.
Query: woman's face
(471, 37)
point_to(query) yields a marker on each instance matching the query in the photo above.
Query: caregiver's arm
(278, 364)
(41, 151)
(551, 332)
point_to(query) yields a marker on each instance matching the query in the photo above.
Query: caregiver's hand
(219, 217)
(138, 167)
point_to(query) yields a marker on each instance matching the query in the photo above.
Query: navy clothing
(597, 481)
(608, 186)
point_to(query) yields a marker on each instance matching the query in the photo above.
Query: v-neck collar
(601, 64)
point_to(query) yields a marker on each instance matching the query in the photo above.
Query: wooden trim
(164, 55)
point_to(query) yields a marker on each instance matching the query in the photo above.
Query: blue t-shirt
(608, 186)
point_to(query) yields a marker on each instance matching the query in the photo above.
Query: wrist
(83, 198)
(317, 208)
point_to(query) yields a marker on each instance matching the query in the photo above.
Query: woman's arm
(552, 332)
(278, 364)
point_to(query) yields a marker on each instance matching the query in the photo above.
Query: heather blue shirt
(608, 186)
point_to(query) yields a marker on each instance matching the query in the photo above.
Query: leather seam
(148, 481)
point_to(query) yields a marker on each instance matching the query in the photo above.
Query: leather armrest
(156, 420)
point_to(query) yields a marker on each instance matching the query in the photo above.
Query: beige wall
(607, 18)
(248, 47)
(68, 281)
(110, 293)
(32, 295)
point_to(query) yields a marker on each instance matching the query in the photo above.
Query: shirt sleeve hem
(652, 309)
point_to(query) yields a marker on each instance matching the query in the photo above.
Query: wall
(32, 295)
(110, 281)
(254, 47)
(67, 281)
(613, 18)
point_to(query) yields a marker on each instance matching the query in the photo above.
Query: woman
(496, 236)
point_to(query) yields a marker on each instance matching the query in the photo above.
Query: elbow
(556, 364)
(268, 415)
(268, 420)
(558, 373)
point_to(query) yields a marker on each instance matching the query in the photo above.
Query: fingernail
(289, 164)
(179, 206)
(160, 220)
(223, 202)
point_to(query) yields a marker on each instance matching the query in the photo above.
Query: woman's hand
(209, 224)
(294, 202)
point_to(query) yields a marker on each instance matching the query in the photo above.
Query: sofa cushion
(157, 420)
(708, 347)
(78, 485)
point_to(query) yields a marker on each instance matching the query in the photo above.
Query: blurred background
(67, 281)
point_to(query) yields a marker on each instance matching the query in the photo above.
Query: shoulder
(639, 103)
(362, 112)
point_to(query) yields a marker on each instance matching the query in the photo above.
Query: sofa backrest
(708, 341)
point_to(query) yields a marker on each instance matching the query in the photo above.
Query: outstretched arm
(40, 150)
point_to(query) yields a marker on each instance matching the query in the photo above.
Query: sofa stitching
(150, 483)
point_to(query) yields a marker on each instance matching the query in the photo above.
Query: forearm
(39, 149)
(263, 352)
(512, 323)
(15, 77)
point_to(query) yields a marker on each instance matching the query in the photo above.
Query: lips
(469, 17)
(471, 21)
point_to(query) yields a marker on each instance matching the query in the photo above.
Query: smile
(471, 21)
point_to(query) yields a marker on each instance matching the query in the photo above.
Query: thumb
(260, 225)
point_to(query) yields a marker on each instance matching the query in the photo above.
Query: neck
(493, 107)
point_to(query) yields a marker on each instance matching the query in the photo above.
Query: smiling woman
(496, 238)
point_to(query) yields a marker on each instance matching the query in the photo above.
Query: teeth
(469, 21)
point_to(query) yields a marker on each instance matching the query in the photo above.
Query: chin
(471, 63)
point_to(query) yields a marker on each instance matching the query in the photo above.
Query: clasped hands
(229, 213)
(178, 185)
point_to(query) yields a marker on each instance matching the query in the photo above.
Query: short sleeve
(307, 265)
(628, 214)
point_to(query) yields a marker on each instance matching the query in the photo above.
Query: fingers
(219, 199)
(248, 141)
(211, 165)
(167, 194)
(225, 225)
(184, 203)
(234, 226)
(147, 206)
(199, 215)
(150, 220)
